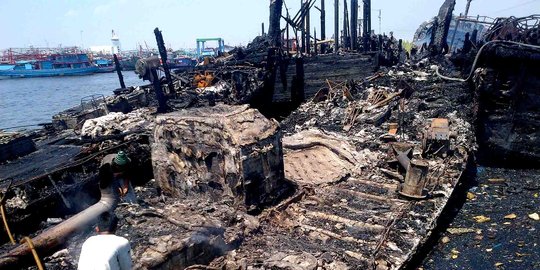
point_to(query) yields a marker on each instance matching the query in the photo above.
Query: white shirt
(105, 252)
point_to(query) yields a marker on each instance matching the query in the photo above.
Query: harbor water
(31, 101)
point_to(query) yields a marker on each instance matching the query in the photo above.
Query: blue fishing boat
(48, 65)
(182, 63)
(104, 65)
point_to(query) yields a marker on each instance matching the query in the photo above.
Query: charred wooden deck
(358, 222)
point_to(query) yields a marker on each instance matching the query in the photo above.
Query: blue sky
(54, 22)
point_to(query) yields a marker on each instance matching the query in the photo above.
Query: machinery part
(437, 138)
(439, 129)
(415, 180)
(59, 234)
(34, 252)
(143, 66)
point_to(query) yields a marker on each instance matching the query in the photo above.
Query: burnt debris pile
(503, 69)
(506, 81)
(359, 151)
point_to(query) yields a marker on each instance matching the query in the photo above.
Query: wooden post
(162, 101)
(119, 72)
(163, 55)
(274, 30)
(443, 24)
(346, 43)
(336, 26)
(367, 24)
(315, 40)
(302, 27)
(308, 30)
(323, 26)
(354, 24)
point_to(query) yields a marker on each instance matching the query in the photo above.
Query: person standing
(105, 251)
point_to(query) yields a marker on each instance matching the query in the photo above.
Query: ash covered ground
(507, 238)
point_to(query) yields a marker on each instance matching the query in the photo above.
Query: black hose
(478, 57)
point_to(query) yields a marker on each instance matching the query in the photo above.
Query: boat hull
(105, 69)
(6, 74)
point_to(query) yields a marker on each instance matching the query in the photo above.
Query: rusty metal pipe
(415, 179)
(59, 234)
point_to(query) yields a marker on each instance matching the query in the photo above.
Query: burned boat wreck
(353, 174)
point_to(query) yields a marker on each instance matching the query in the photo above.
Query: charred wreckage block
(13, 145)
(230, 153)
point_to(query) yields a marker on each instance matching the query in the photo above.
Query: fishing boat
(104, 65)
(459, 27)
(182, 63)
(28, 63)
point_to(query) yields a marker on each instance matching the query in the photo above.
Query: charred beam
(354, 24)
(336, 26)
(367, 23)
(315, 41)
(323, 26)
(163, 55)
(346, 37)
(443, 24)
(303, 26)
(274, 30)
(119, 72)
(307, 25)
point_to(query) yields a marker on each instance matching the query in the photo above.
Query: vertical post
(299, 95)
(315, 40)
(443, 24)
(345, 33)
(162, 102)
(222, 49)
(288, 39)
(163, 54)
(271, 68)
(274, 30)
(354, 24)
(336, 26)
(367, 23)
(262, 29)
(474, 36)
(119, 71)
(457, 24)
(303, 27)
(323, 26)
(308, 29)
(467, 8)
